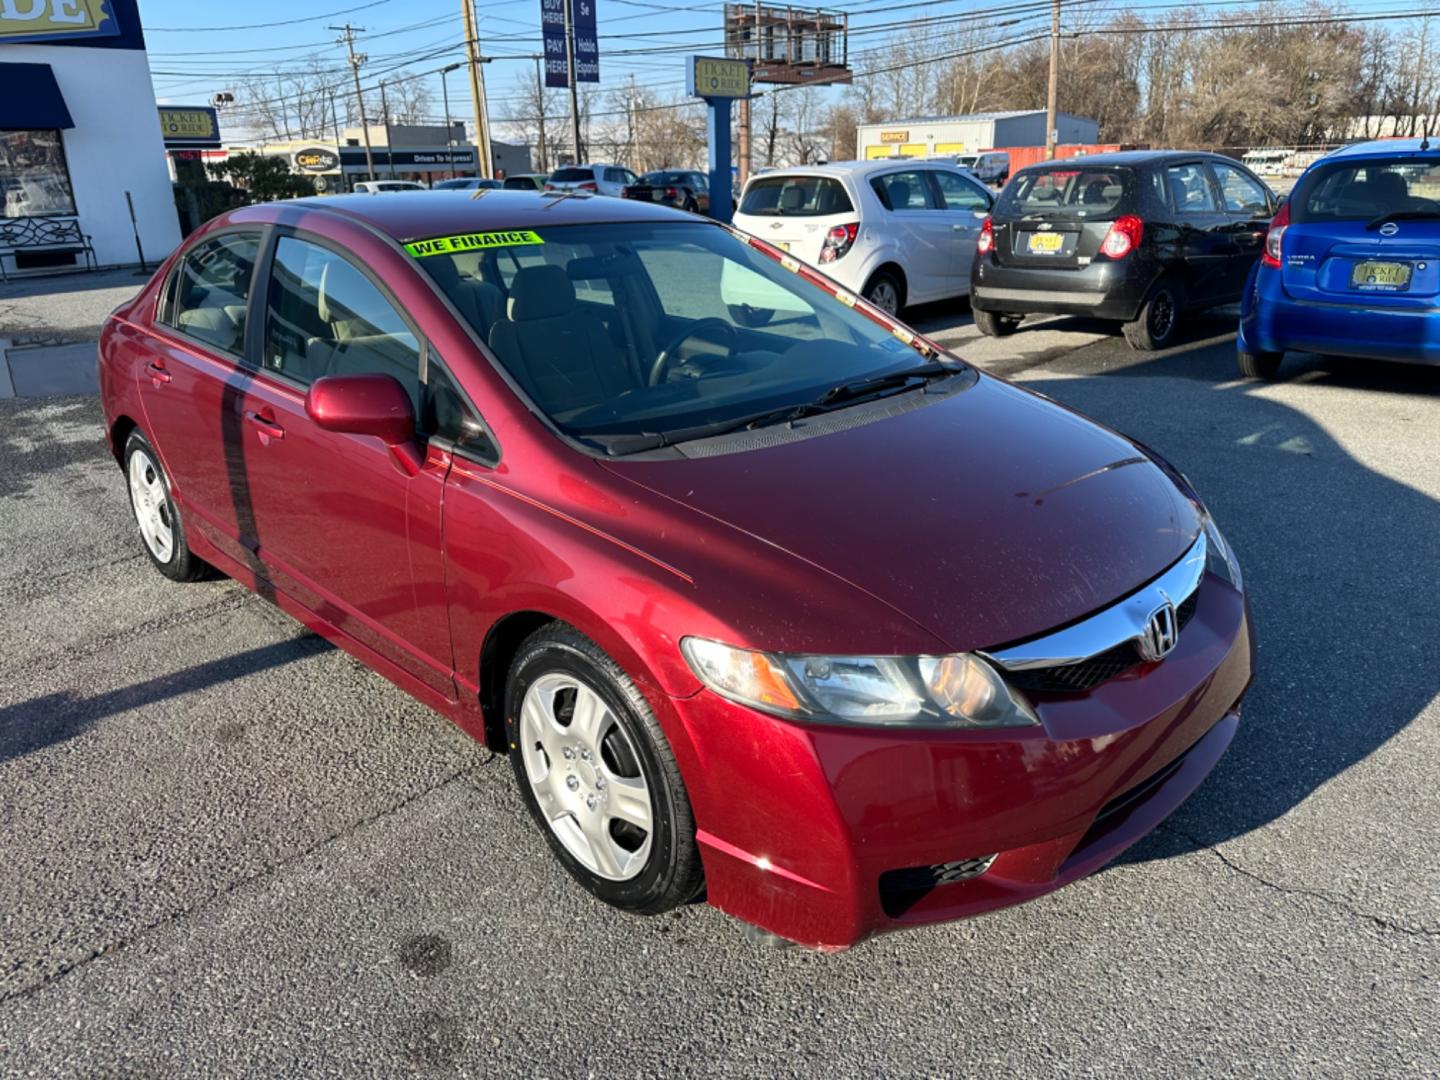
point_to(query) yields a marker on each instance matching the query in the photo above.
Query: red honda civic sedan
(767, 596)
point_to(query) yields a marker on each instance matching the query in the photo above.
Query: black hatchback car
(1139, 237)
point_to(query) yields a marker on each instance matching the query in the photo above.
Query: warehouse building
(933, 136)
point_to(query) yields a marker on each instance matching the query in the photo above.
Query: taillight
(838, 241)
(1278, 224)
(986, 243)
(671, 193)
(549, 187)
(1123, 236)
(588, 185)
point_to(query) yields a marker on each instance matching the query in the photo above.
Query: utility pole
(477, 88)
(355, 61)
(449, 132)
(540, 104)
(570, 72)
(1051, 97)
(385, 115)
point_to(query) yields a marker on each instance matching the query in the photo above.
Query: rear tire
(886, 291)
(993, 324)
(162, 532)
(598, 775)
(1258, 365)
(1154, 327)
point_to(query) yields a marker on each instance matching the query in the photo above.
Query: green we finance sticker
(444, 245)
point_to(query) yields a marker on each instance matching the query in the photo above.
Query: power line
(259, 26)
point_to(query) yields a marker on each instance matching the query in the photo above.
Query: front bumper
(1271, 321)
(1102, 290)
(801, 827)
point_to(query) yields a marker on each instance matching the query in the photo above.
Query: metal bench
(55, 235)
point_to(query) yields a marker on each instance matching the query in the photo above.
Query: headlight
(1219, 556)
(935, 691)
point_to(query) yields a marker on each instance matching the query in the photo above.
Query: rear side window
(212, 291)
(1190, 190)
(795, 196)
(325, 317)
(902, 191)
(1364, 190)
(571, 176)
(957, 193)
(1070, 192)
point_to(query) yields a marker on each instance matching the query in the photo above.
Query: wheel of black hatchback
(1154, 327)
(161, 529)
(598, 775)
(885, 291)
(1258, 365)
(993, 324)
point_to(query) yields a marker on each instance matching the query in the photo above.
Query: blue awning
(30, 99)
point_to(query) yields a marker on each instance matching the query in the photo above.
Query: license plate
(1380, 275)
(1045, 243)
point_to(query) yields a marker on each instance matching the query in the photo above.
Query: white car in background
(380, 187)
(896, 232)
(595, 179)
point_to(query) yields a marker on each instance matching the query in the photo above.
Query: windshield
(570, 176)
(1069, 192)
(795, 196)
(623, 330)
(1364, 190)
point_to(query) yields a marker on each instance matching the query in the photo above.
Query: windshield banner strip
(444, 245)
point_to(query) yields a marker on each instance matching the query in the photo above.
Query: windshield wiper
(858, 388)
(1402, 215)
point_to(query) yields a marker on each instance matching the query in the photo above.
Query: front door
(1206, 246)
(190, 386)
(340, 525)
(912, 210)
(966, 204)
(1249, 205)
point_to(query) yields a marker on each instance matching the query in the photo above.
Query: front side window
(212, 290)
(325, 317)
(33, 175)
(1365, 190)
(1243, 194)
(902, 191)
(959, 193)
(652, 330)
(1190, 190)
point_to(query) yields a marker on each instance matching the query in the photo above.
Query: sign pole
(717, 138)
(570, 70)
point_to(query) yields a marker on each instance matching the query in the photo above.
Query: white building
(931, 136)
(79, 133)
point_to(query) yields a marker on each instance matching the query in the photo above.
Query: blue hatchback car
(1351, 265)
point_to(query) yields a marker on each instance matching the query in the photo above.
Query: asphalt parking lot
(229, 849)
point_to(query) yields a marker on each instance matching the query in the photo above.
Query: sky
(200, 47)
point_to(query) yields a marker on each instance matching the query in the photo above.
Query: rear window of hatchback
(1070, 192)
(570, 176)
(795, 196)
(1365, 190)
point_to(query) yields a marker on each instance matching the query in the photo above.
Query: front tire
(993, 324)
(162, 530)
(597, 774)
(886, 291)
(1258, 365)
(1154, 327)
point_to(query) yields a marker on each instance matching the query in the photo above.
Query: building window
(33, 175)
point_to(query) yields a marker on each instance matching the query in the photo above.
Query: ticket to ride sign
(717, 77)
(54, 20)
(191, 125)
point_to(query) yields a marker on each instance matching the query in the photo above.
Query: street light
(445, 90)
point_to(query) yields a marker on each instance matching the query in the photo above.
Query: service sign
(718, 77)
(55, 20)
(894, 136)
(188, 125)
(317, 159)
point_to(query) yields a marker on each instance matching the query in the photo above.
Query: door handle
(268, 428)
(961, 228)
(158, 374)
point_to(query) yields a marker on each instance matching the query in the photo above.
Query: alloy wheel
(152, 506)
(884, 296)
(586, 777)
(1162, 315)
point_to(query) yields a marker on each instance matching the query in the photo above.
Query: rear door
(1206, 246)
(1249, 205)
(911, 210)
(1366, 232)
(966, 204)
(192, 385)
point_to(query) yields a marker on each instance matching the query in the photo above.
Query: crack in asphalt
(215, 897)
(1329, 899)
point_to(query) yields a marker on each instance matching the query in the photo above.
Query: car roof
(449, 213)
(853, 168)
(1385, 148)
(1131, 157)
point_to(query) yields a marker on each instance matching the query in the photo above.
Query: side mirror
(375, 405)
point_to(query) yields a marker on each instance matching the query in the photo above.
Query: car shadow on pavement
(32, 725)
(1336, 557)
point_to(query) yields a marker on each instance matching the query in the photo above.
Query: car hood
(987, 517)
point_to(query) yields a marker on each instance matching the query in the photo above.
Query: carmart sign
(49, 20)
